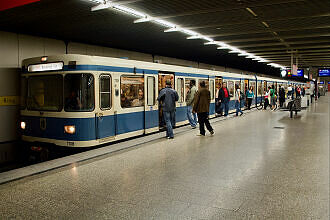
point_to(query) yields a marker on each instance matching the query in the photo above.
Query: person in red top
(224, 99)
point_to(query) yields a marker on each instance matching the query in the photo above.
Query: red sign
(7, 4)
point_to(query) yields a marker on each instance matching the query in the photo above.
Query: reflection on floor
(248, 170)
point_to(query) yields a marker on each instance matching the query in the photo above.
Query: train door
(105, 116)
(162, 77)
(246, 85)
(181, 109)
(151, 120)
(218, 86)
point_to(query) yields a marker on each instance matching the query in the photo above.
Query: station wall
(16, 47)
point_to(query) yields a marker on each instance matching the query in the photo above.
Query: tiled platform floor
(247, 170)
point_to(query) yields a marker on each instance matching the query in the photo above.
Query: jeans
(249, 103)
(191, 116)
(203, 119)
(169, 118)
(225, 106)
(238, 107)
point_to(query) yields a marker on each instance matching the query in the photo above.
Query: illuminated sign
(300, 73)
(45, 67)
(322, 82)
(324, 72)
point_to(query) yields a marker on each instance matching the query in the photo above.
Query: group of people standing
(198, 102)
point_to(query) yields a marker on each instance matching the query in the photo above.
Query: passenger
(282, 96)
(190, 102)
(250, 96)
(72, 102)
(140, 100)
(125, 103)
(272, 97)
(290, 92)
(202, 107)
(266, 98)
(224, 99)
(238, 100)
(168, 96)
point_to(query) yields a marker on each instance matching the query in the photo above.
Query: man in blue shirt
(167, 97)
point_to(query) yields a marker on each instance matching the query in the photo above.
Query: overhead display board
(324, 72)
(300, 73)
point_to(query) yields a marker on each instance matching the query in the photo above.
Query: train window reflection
(231, 88)
(105, 92)
(45, 93)
(132, 91)
(79, 92)
(180, 89)
(151, 91)
(212, 89)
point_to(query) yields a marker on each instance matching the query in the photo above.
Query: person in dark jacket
(223, 99)
(282, 96)
(168, 96)
(202, 107)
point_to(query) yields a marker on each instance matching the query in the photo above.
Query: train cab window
(151, 90)
(79, 92)
(132, 91)
(180, 89)
(105, 92)
(212, 89)
(45, 93)
(23, 92)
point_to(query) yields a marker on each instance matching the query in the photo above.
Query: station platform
(263, 165)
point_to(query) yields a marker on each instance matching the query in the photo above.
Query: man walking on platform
(202, 107)
(167, 97)
(190, 102)
(224, 99)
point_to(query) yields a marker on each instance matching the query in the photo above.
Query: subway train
(84, 101)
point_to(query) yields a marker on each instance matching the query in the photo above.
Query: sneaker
(241, 114)
(202, 135)
(212, 132)
(193, 127)
(170, 137)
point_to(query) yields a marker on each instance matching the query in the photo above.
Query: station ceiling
(270, 29)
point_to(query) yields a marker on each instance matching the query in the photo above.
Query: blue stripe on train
(86, 128)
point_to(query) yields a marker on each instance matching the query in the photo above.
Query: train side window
(230, 86)
(151, 90)
(212, 89)
(132, 91)
(180, 89)
(105, 92)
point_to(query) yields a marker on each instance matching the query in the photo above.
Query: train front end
(57, 104)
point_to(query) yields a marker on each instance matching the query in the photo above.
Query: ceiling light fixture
(265, 24)
(252, 12)
(171, 27)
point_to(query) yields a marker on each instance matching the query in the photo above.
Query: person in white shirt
(238, 100)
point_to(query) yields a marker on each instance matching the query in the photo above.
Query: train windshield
(79, 92)
(45, 93)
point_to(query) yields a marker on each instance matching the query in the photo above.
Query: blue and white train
(83, 101)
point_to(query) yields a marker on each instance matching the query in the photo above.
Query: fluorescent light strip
(171, 27)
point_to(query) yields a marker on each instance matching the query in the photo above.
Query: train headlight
(23, 125)
(70, 129)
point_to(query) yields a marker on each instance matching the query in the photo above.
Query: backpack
(241, 95)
